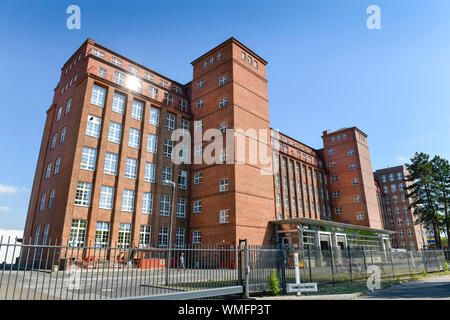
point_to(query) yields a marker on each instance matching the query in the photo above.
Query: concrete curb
(347, 296)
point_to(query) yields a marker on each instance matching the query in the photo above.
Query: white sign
(302, 287)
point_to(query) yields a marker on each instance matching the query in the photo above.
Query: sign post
(297, 286)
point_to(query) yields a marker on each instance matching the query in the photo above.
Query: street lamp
(172, 184)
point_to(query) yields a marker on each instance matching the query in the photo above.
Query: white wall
(8, 254)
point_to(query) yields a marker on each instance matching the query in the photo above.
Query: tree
(423, 195)
(441, 177)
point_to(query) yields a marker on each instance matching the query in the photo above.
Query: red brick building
(106, 175)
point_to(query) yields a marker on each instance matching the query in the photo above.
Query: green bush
(274, 284)
(424, 274)
(414, 276)
(445, 267)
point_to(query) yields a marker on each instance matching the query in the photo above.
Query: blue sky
(326, 69)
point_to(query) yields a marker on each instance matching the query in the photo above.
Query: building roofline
(314, 149)
(235, 41)
(327, 132)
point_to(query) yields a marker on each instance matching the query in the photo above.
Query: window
(96, 52)
(168, 99)
(168, 147)
(223, 80)
(110, 163)
(332, 164)
(98, 96)
(154, 116)
(198, 177)
(355, 182)
(393, 187)
(152, 92)
(165, 206)
(63, 135)
(68, 104)
(133, 69)
(179, 238)
(136, 110)
(88, 159)
(399, 221)
(128, 200)
(198, 125)
(182, 105)
(249, 60)
(182, 179)
(223, 216)
(149, 172)
(45, 236)
(116, 61)
(144, 235)
(181, 208)
(152, 142)
(124, 235)
(383, 178)
(200, 83)
(399, 176)
(185, 126)
(102, 234)
(166, 174)
(83, 194)
(223, 185)
(57, 165)
(55, 137)
(360, 216)
(351, 153)
(176, 89)
(196, 237)
(42, 206)
(197, 206)
(118, 104)
(106, 197)
(164, 83)
(401, 187)
(352, 166)
(330, 151)
(102, 72)
(243, 55)
(223, 102)
(147, 203)
(170, 122)
(338, 210)
(131, 168)
(198, 151)
(391, 177)
(219, 55)
(48, 171)
(336, 194)
(77, 233)
(134, 138)
(199, 104)
(149, 76)
(93, 126)
(58, 116)
(334, 178)
(163, 236)
(357, 198)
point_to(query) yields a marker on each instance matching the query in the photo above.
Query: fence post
(350, 262)
(332, 265)
(409, 264)
(247, 269)
(239, 254)
(283, 274)
(309, 264)
(392, 264)
(365, 263)
(425, 263)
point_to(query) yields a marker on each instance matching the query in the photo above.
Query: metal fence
(55, 272)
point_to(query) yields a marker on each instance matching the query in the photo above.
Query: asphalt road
(430, 288)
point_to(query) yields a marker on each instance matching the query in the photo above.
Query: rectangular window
(128, 200)
(118, 104)
(168, 99)
(182, 105)
(93, 126)
(182, 179)
(165, 206)
(179, 238)
(77, 233)
(166, 174)
(152, 92)
(223, 80)
(115, 131)
(106, 197)
(133, 69)
(83, 194)
(48, 171)
(355, 182)
(181, 208)
(163, 236)
(58, 116)
(42, 206)
(55, 137)
(57, 165)
(360, 216)
(98, 96)
(145, 235)
(196, 237)
(170, 122)
(102, 235)
(223, 216)
(134, 138)
(68, 104)
(198, 125)
(96, 52)
(110, 163)
(351, 153)
(63, 135)
(119, 78)
(88, 158)
(52, 197)
(149, 172)
(152, 142)
(197, 206)
(199, 104)
(102, 72)
(198, 177)
(147, 203)
(168, 146)
(223, 185)
(154, 116)
(352, 166)
(124, 235)
(131, 168)
(136, 110)
(223, 102)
